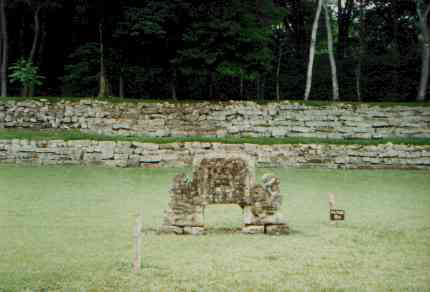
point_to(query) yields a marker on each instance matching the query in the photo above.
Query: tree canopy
(216, 50)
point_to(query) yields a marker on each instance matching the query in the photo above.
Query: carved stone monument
(226, 179)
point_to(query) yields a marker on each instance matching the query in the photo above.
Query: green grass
(311, 103)
(70, 229)
(77, 135)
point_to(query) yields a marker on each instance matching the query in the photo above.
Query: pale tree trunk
(362, 50)
(3, 49)
(29, 89)
(103, 85)
(278, 71)
(425, 31)
(312, 50)
(334, 79)
(36, 35)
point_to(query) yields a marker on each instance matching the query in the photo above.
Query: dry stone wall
(219, 119)
(134, 154)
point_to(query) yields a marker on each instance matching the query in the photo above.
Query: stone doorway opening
(226, 218)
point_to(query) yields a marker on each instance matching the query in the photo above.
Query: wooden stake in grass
(137, 236)
(332, 201)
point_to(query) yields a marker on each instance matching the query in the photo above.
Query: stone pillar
(262, 215)
(185, 212)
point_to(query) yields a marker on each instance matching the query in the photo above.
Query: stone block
(192, 230)
(172, 229)
(277, 229)
(248, 216)
(253, 229)
(120, 126)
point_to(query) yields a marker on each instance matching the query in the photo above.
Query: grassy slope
(76, 135)
(72, 228)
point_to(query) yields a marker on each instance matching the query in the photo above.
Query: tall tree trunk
(263, 87)
(3, 49)
(24, 91)
(424, 72)
(21, 41)
(358, 81)
(36, 35)
(396, 48)
(334, 79)
(312, 50)
(425, 31)
(296, 24)
(278, 71)
(29, 90)
(211, 81)
(302, 39)
(42, 39)
(241, 86)
(362, 50)
(173, 84)
(344, 20)
(257, 85)
(121, 85)
(340, 43)
(103, 85)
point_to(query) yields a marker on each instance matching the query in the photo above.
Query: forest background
(216, 50)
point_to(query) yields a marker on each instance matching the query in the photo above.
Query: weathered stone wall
(133, 154)
(219, 119)
(225, 179)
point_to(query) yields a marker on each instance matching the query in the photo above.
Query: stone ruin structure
(226, 179)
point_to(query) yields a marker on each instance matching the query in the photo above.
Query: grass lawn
(68, 135)
(70, 228)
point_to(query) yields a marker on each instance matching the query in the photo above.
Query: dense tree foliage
(235, 49)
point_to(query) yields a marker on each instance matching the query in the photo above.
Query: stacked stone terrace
(135, 154)
(220, 119)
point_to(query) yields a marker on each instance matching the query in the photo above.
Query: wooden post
(137, 236)
(332, 201)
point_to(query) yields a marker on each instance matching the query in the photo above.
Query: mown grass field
(70, 229)
(70, 135)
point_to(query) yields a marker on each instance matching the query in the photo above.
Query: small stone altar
(225, 179)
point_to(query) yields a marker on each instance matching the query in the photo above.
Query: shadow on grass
(227, 231)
